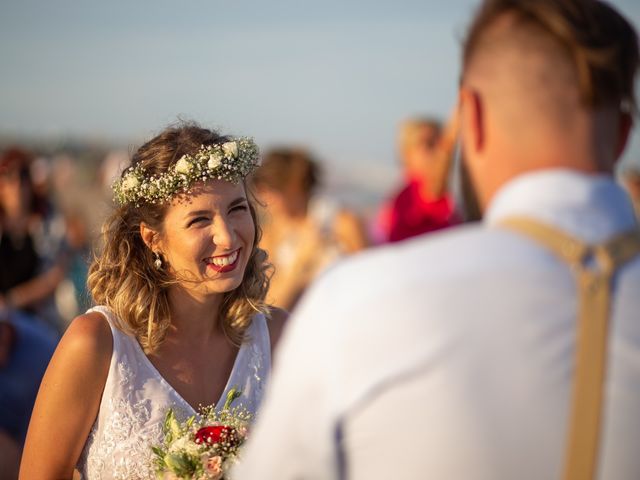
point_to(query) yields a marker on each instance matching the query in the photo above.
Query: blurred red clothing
(410, 213)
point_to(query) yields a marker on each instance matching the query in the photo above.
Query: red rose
(216, 434)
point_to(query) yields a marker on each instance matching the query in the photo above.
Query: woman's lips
(224, 263)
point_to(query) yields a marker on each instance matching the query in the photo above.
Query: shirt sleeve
(293, 437)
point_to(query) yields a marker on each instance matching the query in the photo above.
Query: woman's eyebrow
(238, 201)
(194, 213)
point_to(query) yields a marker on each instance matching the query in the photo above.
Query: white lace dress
(136, 398)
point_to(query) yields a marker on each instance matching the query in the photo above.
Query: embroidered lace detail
(136, 399)
(256, 367)
(126, 426)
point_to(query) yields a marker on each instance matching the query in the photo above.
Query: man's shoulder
(390, 300)
(424, 268)
(372, 275)
(439, 248)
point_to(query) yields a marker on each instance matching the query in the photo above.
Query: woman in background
(33, 261)
(302, 233)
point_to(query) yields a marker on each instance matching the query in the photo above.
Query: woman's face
(208, 237)
(14, 192)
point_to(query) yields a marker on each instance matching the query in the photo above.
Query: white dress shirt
(451, 356)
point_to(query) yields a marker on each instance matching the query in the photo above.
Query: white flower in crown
(183, 166)
(230, 149)
(230, 161)
(130, 182)
(215, 160)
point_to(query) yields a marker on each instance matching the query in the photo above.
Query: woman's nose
(223, 234)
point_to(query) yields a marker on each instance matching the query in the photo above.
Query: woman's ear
(149, 236)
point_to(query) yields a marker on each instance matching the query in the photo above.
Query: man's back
(455, 359)
(493, 387)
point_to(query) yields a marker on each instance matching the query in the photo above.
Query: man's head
(417, 141)
(545, 84)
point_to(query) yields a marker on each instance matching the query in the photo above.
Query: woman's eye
(196, 221)
(240, 208)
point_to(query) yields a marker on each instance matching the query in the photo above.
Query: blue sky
(335, 75)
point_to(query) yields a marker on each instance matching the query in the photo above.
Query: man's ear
(149, 236)
(624, 129)
(472, 118)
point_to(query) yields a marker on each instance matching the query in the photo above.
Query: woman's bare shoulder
(89, 332)
(69, 398)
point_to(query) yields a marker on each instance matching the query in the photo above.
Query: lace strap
(122, 343)
(262, 338)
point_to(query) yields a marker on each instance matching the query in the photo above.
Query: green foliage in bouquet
(205, 446)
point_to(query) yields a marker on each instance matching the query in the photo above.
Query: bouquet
(204, 447)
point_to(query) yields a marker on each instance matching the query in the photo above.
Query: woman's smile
(223, 263)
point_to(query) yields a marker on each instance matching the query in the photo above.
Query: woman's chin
(224, 285)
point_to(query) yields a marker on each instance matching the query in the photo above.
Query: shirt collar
(590, 207)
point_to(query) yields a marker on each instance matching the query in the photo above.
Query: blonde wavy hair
(122, 275)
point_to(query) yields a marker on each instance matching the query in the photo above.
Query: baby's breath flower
(230, 161)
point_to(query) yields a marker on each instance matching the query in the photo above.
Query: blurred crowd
(50, 218)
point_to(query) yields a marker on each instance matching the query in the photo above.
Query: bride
(181, 320)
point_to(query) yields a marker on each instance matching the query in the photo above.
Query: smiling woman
(207, 238)
(181, 322)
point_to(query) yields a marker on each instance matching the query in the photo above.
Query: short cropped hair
(601, 43)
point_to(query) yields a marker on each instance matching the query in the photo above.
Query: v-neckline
(171, 388)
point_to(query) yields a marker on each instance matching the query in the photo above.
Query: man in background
(501, 350)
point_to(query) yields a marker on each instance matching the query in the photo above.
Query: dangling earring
(158, 261)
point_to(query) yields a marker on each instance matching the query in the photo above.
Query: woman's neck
(194, 318)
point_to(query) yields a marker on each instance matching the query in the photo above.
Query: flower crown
(230, 161)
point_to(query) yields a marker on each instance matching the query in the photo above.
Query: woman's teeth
(224, 261)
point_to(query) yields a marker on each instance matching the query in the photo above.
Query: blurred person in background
(422, 204)
(631, 182)
(33, 250)
(504, 349)
(302, 232)
(72, 296)
(25, 350)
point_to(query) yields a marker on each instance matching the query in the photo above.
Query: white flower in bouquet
(212, 466)
(204, 447)
(184, 445)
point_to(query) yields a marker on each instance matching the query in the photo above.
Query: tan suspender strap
(594, 286)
